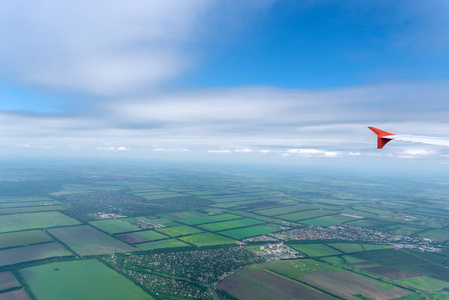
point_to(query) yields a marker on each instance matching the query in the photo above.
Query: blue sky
(265, 78)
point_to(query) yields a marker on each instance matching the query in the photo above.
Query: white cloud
(104, 47)
(246, 150)
(311, 153)
(415, 153)
(123, 149)
(219, 151)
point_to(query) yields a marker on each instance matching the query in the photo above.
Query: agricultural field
(179, 230)
(209, 219)
(19, 210)
(254, 283)
(17, 222)
(247, 232)
(113, 226)
(315, 250)
(7, 281)
(322, 221)
(12, 256)
(207, 239)
(151, 235)
(162, 244)
(346, 284)
(23, 238)
(438, 235)
(296, 268)
(85, 279)
(347, 247)
(86, 240)
(307, 214)
(414, 265)
(161, 221)
(231, 224)
(19, 294)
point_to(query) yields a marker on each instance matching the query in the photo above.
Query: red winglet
(381, 142)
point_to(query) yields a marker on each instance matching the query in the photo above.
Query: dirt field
(345, 284)
(251, 284)
(391, 273)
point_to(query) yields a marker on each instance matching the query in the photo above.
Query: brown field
(391, 273)
(15, 295)
(345, 284)
(7, 281)
(249, 284)
(131, 238)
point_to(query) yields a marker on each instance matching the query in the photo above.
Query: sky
(294, 80)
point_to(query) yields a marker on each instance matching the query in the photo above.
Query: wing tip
(381, 141)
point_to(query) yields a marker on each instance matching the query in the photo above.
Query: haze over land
(223, 80)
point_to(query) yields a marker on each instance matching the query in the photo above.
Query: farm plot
(207, 239)
(322, 221)
(86, 240)
(438, 235)
(402, 260)
(19, 222)
(131, 238)
(86, 279)
(19, 294)
(346, 284)
(151, 235)
(29, 203)
(308, 214)
(315, 250)
(23, 238)
(168, 243)
(247, 232)
(18, 210)
(209, 219)
(113, 226)
(347, 247)
(179, 230)
(231, 224)
(251, 283)
(7, 281)
(289, 209)
(29, 253)
(160, 221)
(297, 268)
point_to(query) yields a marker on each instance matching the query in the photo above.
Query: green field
(347, 247)
(231, 224)
(29, 253)
(289, 209)
(424, 283)
(207, 239)
(26, 221)
(314, 250)
(209, 219)
(86, 240)
(168, 243)
(247, 232)
(86, 279)
(297, 268)
(308, 214)
(322, 221)
(151, 235)
(19, 210)
(179, 230)
(160, 221)
(438, 235)
(113, 226)
(23, 238)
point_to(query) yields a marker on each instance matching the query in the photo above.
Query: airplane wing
(384, 137)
